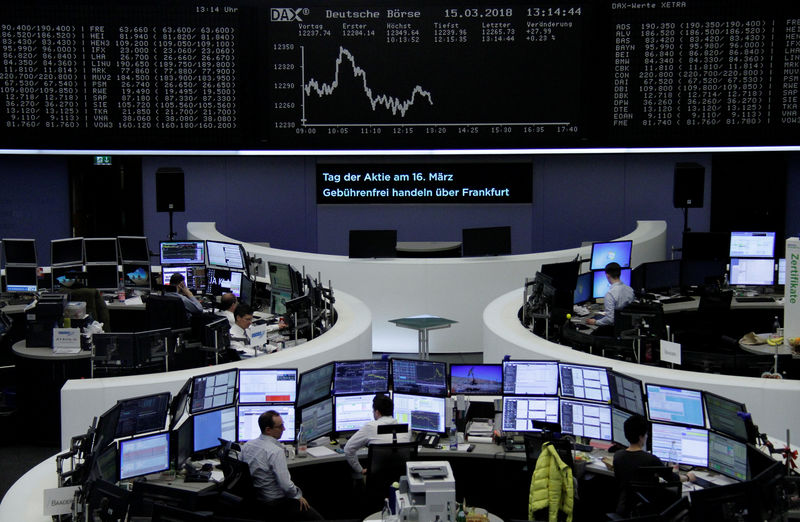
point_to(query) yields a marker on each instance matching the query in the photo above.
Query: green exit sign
(102, 160)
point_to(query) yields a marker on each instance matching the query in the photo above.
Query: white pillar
(791, 302)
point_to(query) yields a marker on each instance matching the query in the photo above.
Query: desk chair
(107, 502)
(238, 497)
(385, 464)
(533, 448)
(165, 311)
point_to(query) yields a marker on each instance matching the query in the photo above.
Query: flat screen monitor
(21, 279)
(182, 443)
(143, 455)
(118, 347)
(372, 243)
(213, 390)
(685, 444)
(216, 334)
(584, 382)
(315, 384)
(520, 412)
(65, 276)
(278, 299)
(725, 416)
(611, 252)
(259, 386)
(133, 249)
(106, 429)
(211, 426)
(102, 250)
(476, 379)
(700, 272)
(248, 421)
(19, 251)
(752, 271)
(317, 419)
(142, 414)
(105, 465)
(151, 345)
(486, 241)
(584, 287)
(781, 276)
(280, 276)
(102, 277)
(419, 412)
(225, 255)
(66, 251)
(600, 285)
(136, 275)
(219, 281)
(247, 291)
(353, 411)
(188, 273)
(182, 253)
(564, 276)
(416, 377)
(179, 402)
(586, 419)
(680, 405)
(705, 246)
(727, 456)
(618, 418)
(659, 275)
(357, 377)
(752, 244)
(626, 392)
(530, 377)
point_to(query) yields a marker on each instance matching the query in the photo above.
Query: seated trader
(267, 462)
(383, 411)
(627, 461)
(190, 302)
(243, 318)
(619, 296)
(227, 306)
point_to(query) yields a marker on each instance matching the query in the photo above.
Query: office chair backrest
(533, 448)
(237, 477)
(714, 300)
(385, 464)
(165, 311)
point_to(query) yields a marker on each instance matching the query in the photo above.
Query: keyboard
(755, 300)
(677, 299)
(703, 483)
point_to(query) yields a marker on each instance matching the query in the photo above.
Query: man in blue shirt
(190, 302)
(619, 296)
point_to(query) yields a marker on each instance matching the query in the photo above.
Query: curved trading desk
(456, 288)
(773, 403)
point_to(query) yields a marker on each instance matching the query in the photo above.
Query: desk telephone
(197, 475)
(428, 440)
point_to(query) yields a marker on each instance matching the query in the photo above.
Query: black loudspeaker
(687, 191)
(169, 190)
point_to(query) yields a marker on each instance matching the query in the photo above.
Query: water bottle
(302, 443)
(453, 437)
(673, 455)
(386, 514)
(776, 326)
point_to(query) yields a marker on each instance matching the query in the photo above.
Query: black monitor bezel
(722, 431)
(124, 260)
(89, 268)
(73, 261)
(194, 418)
(563, 400)
(300, 409)
(33, 270)
(92, 240)
(31, 242)
(122, 403)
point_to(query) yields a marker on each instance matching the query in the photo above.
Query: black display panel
(142, 414)
(314, 75)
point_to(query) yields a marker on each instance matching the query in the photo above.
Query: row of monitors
(723, 245)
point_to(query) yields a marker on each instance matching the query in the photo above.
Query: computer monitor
(752, 244)
(225, 255)
(586, 419)
(705, 246)
(680, 405)
(486, 241)
(372, 243)
(626, 392)
(416, 377)
(618, 418)
(315, 384)
(133, 249)
(188, 273)
(151, 345)
(117, 348)
(530, 377)
(19, 251)
(353, 411)
(584, 286)
(727, 456)
(584, 382)
(102, 277)
(101, 250)
(421, 413)
(211, 426)
(700, 272)
(21, 279)
(143, 455)
(182, 253)
(67, 251)
(213, 390)
(726, 416)
(278, 299)
(248, 421)
(317, 419)
(260, 386)
(280, 276)
(685, 444)
(600, 284)
(182, 440)
(216, 334)
(247, 291)
(64, 276)
(358, 377)
(179, 402)
(752, 271)
(476, 379)
(658, 276)
(142, 414)
(611, 252)
(520, 412)
(106, 430)
(105, 465)
(564, 275)
(220, 281)
(781, 275)
(136, 275)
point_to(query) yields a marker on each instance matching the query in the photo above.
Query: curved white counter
(349, 338)
(455, 288)
(772, 402)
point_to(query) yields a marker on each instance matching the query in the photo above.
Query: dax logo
(286, 14)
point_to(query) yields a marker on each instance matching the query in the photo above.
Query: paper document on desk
(479, 429)
(133, 301)
(320, 451)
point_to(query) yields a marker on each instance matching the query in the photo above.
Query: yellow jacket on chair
(551, 485)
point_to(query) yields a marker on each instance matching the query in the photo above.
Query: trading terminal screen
(752, 244)
(520, 412)
(419, 412)
(211, 426)
(212, 391)
(724, 416)
(419, 377)
(626, 392)
(267, 385)
(225, 255)
(315, 384)
(357, 377)
(318, 418)
(530, 377)
(143, 455)
(183, 253)
(752, 271)
(220, 281)
(586, 419)
(142, 414)
(353, 411)
(727, 456)
(678, 405)
(685, 444)
(248, 421)
(618, 418)
(584, 382)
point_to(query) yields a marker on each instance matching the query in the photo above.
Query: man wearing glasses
(266, 459)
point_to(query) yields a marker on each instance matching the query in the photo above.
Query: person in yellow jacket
(551, 485)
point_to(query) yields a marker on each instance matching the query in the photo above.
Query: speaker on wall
(169, 190)
(687, 191)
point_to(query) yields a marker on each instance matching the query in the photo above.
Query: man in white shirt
(227, 306)
(243, 318)
(383, 411)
